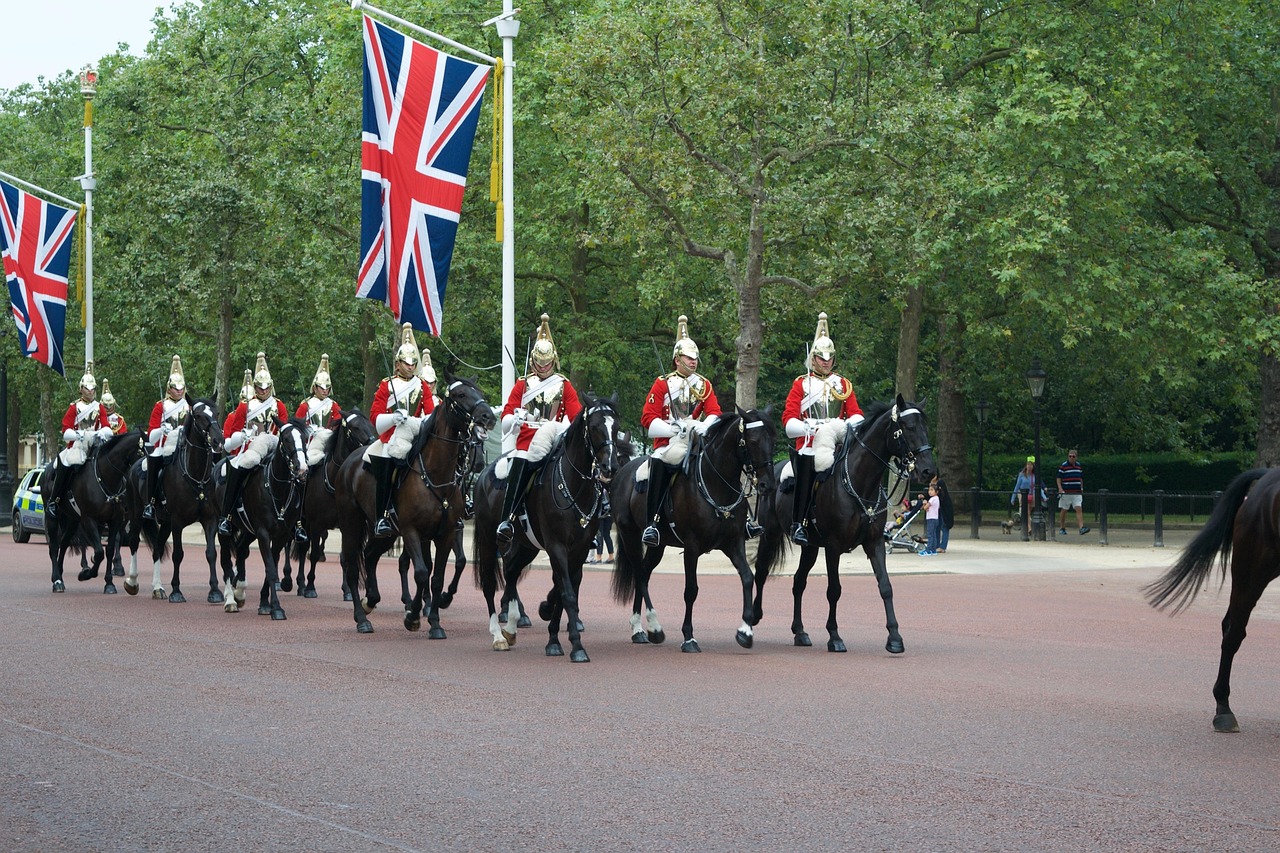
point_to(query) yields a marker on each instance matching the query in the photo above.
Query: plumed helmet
(544, 348)
(87, 382)
(262, 376)
(108, 399)
(408, 352)
(426, 372)
(246, 387)
(684, 343)
(176, 380)
(823, 346)
(322, 374)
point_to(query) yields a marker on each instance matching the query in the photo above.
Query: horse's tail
(151, 533)
(626, 564)
(1180, 584)
(773, 541)
(484, 539)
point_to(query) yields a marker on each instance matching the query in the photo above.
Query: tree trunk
(750, 324)
(372, 373)
(950, 441)
(222, 370)
(909, 343)
(1269, 411)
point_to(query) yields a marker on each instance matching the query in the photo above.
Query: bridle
(295, 461)
(186, 438)
(117, 496)
(902, 459)
(746, 465)
(591, 476)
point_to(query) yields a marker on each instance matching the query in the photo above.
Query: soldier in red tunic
(167, 416)
(320, 411)
(84, 425)
(540, 407)
(816, 398)
(115, 420)
(676, 406)
(252, 432)
(399, 406)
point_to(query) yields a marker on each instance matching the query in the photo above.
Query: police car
(28, 507)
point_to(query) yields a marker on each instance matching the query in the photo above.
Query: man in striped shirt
(1071, 492)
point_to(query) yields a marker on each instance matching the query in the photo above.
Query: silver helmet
(261, 375)
(823, 346)
(408, 351)
(684, 344)
(544, 348)
(176, 380)
(322, 374)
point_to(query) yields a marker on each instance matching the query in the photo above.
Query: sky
(47, 37)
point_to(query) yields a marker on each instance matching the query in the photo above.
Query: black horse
(427, 502)
(1244, 527)
(849, 509)
(319, 509)
(562, 515)
(270, 508)
(186, 486)
(706, 509)
(95, 496)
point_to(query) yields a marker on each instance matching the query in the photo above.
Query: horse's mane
(875, 409)
(114, 442)
(428, 423)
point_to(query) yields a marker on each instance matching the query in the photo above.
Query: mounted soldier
(320, 411)
(115, 420)
(84, 426)
(427, 374)
(539, 408)
(675, 407)
(399, 405)
(252, 432)
(816, 397)
(164, 428)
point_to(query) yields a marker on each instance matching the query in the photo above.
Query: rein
(744, 465)
(117, 496)
(597, 488)
(902, 464)
(198, 484)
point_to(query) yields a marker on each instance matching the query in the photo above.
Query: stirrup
(651, 537)
(224, 526)
(469, 508)
(149, 511)
(299, 535)
(753, 528)
(506, 531)
(798, 534)
(383, 528)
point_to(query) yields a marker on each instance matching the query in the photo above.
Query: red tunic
(657, 406)
(69, 419)
(236, 422)
(335, 413)
(848, 408)
(566, 410)
(116, 421)
(384, 403)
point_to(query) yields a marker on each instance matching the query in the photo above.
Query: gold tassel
(495, 161)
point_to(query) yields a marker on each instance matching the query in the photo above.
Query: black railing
(1154, 508)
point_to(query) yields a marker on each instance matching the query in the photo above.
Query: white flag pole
(38, 189)
(88, 87)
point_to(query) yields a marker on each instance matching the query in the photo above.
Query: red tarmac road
(1033, 711)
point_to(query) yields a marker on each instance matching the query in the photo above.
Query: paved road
(1041, 705)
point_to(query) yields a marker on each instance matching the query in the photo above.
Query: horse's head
(357, 429)
(600, 426)
(909, 440)
(201, 428)
(465, 408)
(291, 454)
(755, 444)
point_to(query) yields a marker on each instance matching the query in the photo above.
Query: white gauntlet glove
(103, 434)
(234, 441)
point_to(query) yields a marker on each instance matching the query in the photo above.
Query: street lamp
(1035, 381)
(983, 405)
(88, 88)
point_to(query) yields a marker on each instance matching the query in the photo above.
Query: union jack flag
(421, 107)
(35, 240)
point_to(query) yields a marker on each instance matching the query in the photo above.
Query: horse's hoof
(579, 656)
(215, 597)
(657, 637)
(836, 646)
(690, 646)
(231, 607)
(158, 594)
(437, 633)
(744, 639)
(802, 639)
(59, 586)
(545, 611)
(365, 627)
(286, 584)
(368, 608)
(1226, 723)
(176, 597)
(554, 650)
(277, 615)
(509, 637)
(87, 574)
(238, 595)
(446, 598)
(501, 646)
(264, 610)
(411, 622)
(131, 587)
(524, 622)
(109, 589)
(894, 646)
(310, 593)
(639, 638)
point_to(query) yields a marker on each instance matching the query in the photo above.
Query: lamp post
(1035, 382)
(88, 88)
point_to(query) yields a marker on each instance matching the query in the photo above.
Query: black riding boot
(802, 499)
(513, 500)
(659, 480)
(231, 497)
(61, 480)
(380, 467)
(154, 470)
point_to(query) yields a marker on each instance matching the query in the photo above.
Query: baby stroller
(898, 535)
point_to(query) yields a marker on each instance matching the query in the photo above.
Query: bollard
(1159, 498)
(975, 513)
(1102, 516)
(1026, 515)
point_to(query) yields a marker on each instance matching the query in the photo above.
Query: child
(932, 520)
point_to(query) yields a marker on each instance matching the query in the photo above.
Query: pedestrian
(947, 514)
(932, 521)
(1071, 492)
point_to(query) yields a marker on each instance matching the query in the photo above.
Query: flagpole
(508, 28)
(88, 86)
(360, 4)
(39, 189)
